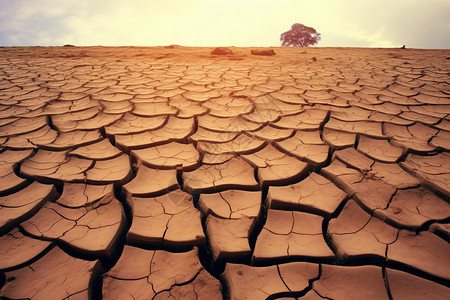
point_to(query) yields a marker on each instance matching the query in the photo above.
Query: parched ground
(171, 173)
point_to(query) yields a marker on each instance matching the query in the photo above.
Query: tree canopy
(300, 36)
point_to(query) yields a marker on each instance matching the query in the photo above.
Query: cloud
(363, 23)
(422, 24)
(25, 22)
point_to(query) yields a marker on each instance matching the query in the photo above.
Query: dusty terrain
(170, 173)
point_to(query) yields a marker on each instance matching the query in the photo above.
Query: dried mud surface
(171, 173)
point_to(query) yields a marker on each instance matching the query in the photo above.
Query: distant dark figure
(68, 45)
(300, 36)
(403, 47)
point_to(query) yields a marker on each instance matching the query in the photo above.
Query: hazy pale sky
(346, 23)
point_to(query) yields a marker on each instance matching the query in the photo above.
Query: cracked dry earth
(156, 173)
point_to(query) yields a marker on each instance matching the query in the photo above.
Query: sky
(246, 23)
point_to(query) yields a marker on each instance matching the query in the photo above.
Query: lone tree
(300, 36)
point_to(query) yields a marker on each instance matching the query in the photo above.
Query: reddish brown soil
(171, 173)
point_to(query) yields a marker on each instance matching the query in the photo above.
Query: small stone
(221, 51)
(268, 52)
